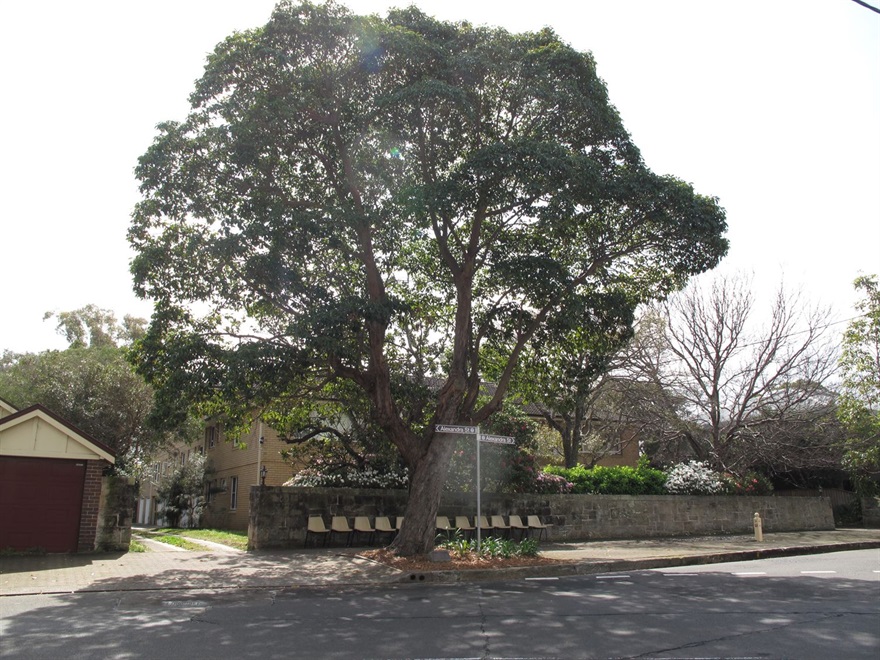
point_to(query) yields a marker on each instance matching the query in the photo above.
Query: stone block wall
(279, 515)
(115, 514)
(871, 511)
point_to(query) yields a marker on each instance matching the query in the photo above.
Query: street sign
(447, 428)
(475, 431)
(498, 439)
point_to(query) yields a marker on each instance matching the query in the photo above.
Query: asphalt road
(818, 606)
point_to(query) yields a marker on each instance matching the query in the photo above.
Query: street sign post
(494, 439)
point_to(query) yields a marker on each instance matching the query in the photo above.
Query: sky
(772, 107)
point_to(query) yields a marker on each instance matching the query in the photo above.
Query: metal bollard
(759, 528)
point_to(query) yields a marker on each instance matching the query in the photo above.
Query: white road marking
(747, 574)
(680, 574)
(612, 577)
(542, 578)
(816, 572)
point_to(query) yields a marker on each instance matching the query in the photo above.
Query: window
(614, 447)
(233, 493)
(210, 436)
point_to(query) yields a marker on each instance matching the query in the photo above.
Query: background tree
(182, 492)
(737, 396)
(91, 384)
(859, 403)
(93, 327)
(566, 382)
(382, 200)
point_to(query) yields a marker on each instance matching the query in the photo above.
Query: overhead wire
(867, 6)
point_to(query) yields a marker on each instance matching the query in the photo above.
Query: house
(236, 466)
(51, 482)
(625, 452)
(149, 508)
(6, 409)
(623, 449)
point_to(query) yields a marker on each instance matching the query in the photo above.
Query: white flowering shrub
(350, 478)
(693, 478)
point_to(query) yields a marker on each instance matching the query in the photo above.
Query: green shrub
(528, 547)
(491, 546)
(848, 514)
(458, 546)
(523, 476)
(619, 480)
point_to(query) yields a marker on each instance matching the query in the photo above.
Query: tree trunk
(571, 438)
(426, 478)
(569, 447)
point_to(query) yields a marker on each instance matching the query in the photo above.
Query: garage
(42, 503)
(50, 483)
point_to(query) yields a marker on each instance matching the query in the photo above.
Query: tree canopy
(859, 402)
(383, 200)
(91, 384)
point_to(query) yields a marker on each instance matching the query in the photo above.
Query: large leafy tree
(859, 401)
(381, 201)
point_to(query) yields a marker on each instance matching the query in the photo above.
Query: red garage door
(40, 503)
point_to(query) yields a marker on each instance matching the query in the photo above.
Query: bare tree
(638, 395)
(742, 389)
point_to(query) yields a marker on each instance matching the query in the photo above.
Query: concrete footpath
(167, 568)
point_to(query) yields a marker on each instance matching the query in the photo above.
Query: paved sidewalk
(163, 568)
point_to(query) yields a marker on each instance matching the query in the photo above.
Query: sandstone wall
(118, 498)
(871, 511)
(279, 515)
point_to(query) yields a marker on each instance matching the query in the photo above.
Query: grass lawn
(234, 539)
(136, 546)
(179, 541)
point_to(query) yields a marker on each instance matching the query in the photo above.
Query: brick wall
(88, 521)
(279, 515)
